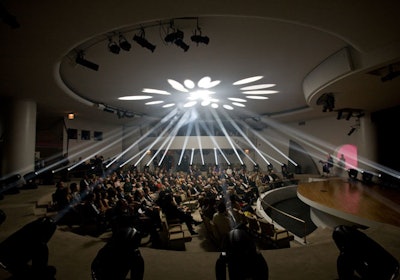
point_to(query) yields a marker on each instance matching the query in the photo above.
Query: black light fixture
(349, 115)
(124, 44)
(366, 177)
(339, 114)
(353, 173)
(176, 37)
(141, 40)
(327, 100)
(80, 59)
(173, 36)
(351, 131)
(198, 38)
(181, 44)
(113, 47)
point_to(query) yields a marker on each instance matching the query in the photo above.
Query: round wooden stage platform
(353, 201)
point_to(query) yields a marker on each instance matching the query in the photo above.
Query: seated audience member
(173, 211)
(241, 257)
(361, 257)
(119, 256)
(61, 196)
(222, 222)
(25, 254)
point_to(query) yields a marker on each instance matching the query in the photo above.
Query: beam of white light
(245, 137)
(214, 141)
(246, 155)
(221, 125)
(135, 156)
(188, 132)
(166, 118)
(118, 137)
(191, 156)
(199, 142)
(274, 159)
(272, 146)
(187, 116)
(156, 140)
(215, 156)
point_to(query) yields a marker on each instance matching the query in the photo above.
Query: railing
(289, 216)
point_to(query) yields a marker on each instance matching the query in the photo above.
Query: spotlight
(351, 131)
(71, 116)
(349, 115)
(353, 173)
(181, 44)
(124, 44)
(367, 177)
(82, 61)
(141, 40)
(327, 100)
(200, 39)
(171, 37)
(113, 47)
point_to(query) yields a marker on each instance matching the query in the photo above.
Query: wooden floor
(368, 202)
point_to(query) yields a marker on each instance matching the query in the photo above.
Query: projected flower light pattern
(204, 93)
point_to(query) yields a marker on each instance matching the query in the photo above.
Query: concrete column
(20, 137)
(367, 152)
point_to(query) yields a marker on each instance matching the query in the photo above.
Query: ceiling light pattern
(204, 93)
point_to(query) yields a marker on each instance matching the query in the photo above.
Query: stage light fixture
(200, 39)
(349, 115)
(366, 177)
(141, 40)
(82, 61)
(124, 44)
(181, 44)
(113, 47)
(353, 173)
(173, 36)
(351, 131)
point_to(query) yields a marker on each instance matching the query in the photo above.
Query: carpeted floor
(72, 254)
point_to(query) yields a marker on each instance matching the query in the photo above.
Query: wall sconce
(71, 116)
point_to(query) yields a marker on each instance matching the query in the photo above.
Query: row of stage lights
(174, 36)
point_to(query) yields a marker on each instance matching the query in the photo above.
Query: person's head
(221, 207)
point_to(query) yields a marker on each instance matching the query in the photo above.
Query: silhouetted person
(361, 257)
(119, 256)
(25, 254)
(242, 257)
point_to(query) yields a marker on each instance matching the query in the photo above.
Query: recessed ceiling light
(168, 105)
(214, 105)
(261, 86)
(248, 80)
(256, 97)
(135, 97)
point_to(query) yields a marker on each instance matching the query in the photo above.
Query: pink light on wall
(350, 155)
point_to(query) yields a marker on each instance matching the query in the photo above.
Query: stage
(336, 201)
